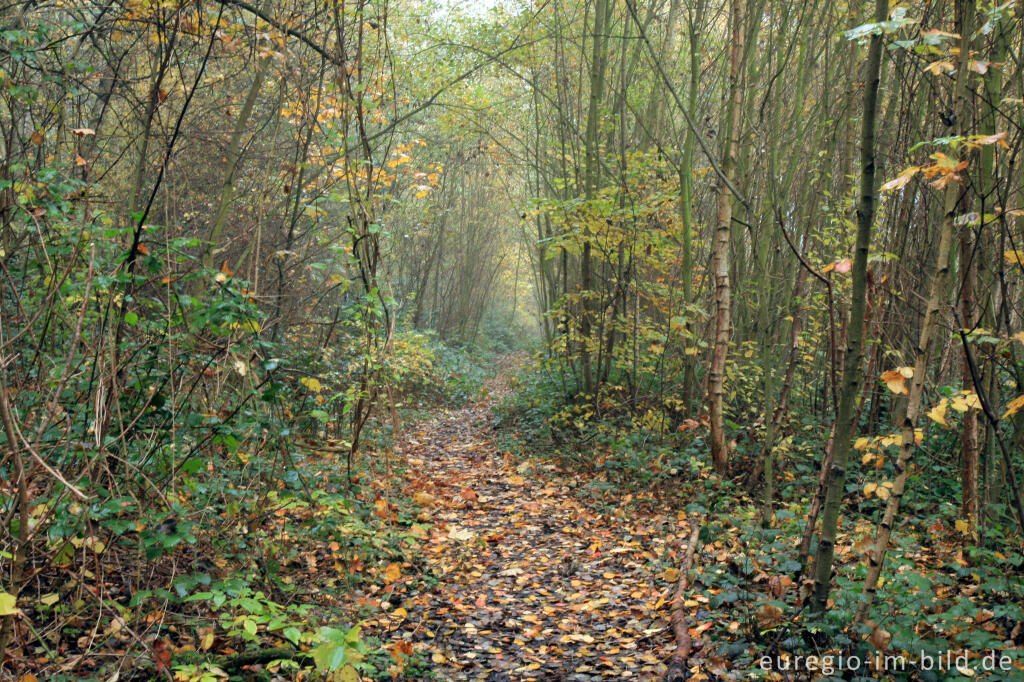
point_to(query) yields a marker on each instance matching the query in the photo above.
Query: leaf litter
(520, 579)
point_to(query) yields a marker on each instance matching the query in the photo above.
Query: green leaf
(330, 656)
(250, 626)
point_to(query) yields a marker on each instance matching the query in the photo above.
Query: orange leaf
(895, 381)
(161, 655)
(399, 648)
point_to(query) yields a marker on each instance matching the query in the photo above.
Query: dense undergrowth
(748, 599)
(234, 537)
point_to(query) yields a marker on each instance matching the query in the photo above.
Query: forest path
(534, 584)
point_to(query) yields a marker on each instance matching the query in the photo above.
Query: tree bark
(922, 353)
(855, 330)
(723, 233)
(590, 182)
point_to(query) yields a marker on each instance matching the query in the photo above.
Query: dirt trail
(533, 583)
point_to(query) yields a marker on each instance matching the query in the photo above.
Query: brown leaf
(401, 647)
(779, 585)
(161, 655)
(768, 615)
(880, 639)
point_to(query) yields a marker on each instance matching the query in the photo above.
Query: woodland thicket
(760, 262)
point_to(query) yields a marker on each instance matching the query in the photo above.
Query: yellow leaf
(900, 180)
(8, 604)
(938, 413)
(312, 384)
(400, 613)
(670, 575)
(860, 443)
(936, 68)
(461, 534)
(998, 139)
(393, 572)
(1015, 257)
(883, 492)
(49, 599)
(1014, 406)
(895, 381)
(972, 400)
(870, 488)
(962, 526)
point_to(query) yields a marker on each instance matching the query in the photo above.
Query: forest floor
(533, 581)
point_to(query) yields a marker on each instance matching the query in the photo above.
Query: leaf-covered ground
(520, 578)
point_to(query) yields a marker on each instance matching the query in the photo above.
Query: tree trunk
(855, 329)
(922, 353)
(590, 181)
(723, 232)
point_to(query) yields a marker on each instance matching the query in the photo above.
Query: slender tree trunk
(855, 330)
(234, 157)
(723, 232)
(590, 181)
(922, 353)
(969, 442)
(686, 192)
